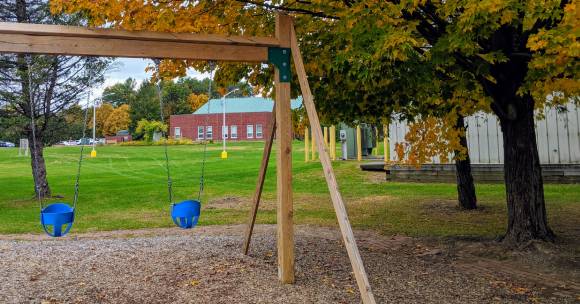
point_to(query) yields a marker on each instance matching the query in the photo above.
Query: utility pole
(224, 127)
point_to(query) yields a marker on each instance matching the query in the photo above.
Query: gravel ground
(205, 265)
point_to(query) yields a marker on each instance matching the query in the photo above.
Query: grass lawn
(125, 188)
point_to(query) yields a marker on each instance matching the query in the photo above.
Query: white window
(259, 131)
(177, 133)
(234, 132)
(250, 131)
(225, 132)
(209, 132)
(200, 132)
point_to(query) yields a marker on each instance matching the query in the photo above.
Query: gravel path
(205, 266)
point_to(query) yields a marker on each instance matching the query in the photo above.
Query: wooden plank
(333, 142)
(341, 214)
(76, 46)
(326, 137)
(260, 182)
(284, 163)
(57, 31)
(306, 144)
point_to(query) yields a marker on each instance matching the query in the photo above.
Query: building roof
(243, 105)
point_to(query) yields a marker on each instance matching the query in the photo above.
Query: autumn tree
(103, 113)
(195, 101)
(516, 53)
(117, 120)
(429, 137)
(504, 57)
(415, 57)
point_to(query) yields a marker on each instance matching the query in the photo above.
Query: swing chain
(212, 65)
(80, 163)
(167, 168)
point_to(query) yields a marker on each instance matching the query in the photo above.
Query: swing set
(278, 50)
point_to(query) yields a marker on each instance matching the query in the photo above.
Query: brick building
(121, 136)
(246, 119)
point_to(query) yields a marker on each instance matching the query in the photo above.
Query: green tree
(145, 105)
(146, 129)
(175, 98)
(120, 93)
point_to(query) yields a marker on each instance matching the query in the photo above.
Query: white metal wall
(558, 137)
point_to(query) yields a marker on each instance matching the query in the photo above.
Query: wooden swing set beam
(79, 41)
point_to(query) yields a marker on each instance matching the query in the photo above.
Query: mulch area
(205, 265)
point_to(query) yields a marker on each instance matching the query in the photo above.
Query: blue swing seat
(57, 215)
(185, 214)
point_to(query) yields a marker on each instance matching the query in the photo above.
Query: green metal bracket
(280, 57)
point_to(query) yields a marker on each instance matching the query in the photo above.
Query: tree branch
(291, 9)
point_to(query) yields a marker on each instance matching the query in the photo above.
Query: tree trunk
(465, 186)
(41, 187)
(527, 218)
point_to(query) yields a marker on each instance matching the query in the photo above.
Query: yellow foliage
(555, 50)
(431, 137)
(196, 101)
(118, 120)
(103, 113)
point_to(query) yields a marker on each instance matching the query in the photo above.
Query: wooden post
(326, 137)
(358, 143)
(333, 142)
(260, 183)
(386, 143)
(377, 141)
(284, 162)
(347, 234)
(313, 149)
(306, 144)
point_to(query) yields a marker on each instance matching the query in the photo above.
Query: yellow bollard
(386, 143)
(224, 155)
(313, 150)
(333, 142)
(306, 144)
(326, 137)
(358, 143)
(94, 153)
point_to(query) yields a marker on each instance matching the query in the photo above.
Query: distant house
(246, 119)
(121, 136)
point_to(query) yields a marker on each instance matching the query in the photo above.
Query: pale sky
(134, 68)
